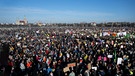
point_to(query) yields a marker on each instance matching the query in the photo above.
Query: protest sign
(119, 60)
(66, 69)
(95, 68)
(71, 64)
(109, 56)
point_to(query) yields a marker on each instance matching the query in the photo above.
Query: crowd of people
(50, 51)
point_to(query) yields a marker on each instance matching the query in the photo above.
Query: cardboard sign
(66, 69)
(71, 65)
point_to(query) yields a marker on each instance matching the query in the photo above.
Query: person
(51, 74)
(72, 73)
(86, 73)
(22, 67)
(46, 51)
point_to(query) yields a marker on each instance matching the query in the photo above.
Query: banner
(71, 64)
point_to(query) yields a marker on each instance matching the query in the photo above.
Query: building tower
(17, 21)
(25, 20)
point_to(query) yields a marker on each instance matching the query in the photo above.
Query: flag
(127, 36)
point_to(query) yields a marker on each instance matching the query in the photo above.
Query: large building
(22, 22)
(93, 23)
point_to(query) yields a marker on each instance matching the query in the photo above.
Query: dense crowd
(49, 51)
